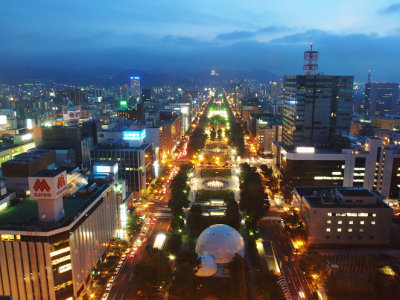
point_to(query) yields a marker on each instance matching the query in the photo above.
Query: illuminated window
(350, 230)
(328, 230)
(329, 221)
(329, 214)
(374, 215)
(361, 230)
(351, 222)
(339, 230)
(373, 222)
(363, 214)
(64, 268)
(339, 222)
(362, 222)
(57, 252)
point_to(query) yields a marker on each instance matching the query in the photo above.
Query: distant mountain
(116, 77)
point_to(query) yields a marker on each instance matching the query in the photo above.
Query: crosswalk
(284, 286)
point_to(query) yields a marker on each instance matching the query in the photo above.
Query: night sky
(159, 35)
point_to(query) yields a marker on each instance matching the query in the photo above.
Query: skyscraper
(383, 98)
(135, 87)
(315, 108)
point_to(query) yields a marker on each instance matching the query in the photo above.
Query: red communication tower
(311, 62)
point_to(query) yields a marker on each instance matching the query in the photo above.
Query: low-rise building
(343, 216)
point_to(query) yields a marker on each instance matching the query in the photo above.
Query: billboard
(71, 115)
(48, 187)
(134, 135)
(123, 104)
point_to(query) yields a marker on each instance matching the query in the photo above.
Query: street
(123, 287)
(299, 286)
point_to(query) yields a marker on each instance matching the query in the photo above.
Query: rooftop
(327, 196)
(25, 217)
(48, 173)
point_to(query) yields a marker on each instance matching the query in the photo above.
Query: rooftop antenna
(310, 66)
(369, 75)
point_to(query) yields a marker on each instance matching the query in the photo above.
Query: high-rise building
(135, 87)
(123, 92)
(315, 108)
(146, 95)
(383, 98)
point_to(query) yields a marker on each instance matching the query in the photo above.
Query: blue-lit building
(127, 147)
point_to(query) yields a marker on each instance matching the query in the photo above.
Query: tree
(267, 171)
(184, 282)
(312, 263)
(197, 141)
(133, 226)
(174, 243)
(195, 221)
(213, 134)
(152, 271)
(237, 270)
(253, 200)
(232, 214)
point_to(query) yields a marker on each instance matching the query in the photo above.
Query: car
(123, 256)
(134, 248)
(117, 269)
(128, 250)
(105, 296)
(111, 280)
(109, 286)
(133, 254)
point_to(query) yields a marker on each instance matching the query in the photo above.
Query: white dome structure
(208, 266)
(221, 242)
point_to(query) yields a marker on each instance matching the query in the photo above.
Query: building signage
(48, 187)
(134, 135)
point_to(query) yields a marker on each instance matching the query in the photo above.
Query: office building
(316, 107)
(344, 216)
(124, 92)
(127, 147)
(383, 99)
(146, 95)
(77, 97)
(78, 140)
(17, 170)
(50, 243)
(134, 87)
(389, 122)
(164, 137)
(136, 115)
(266, 129)
(362, 162)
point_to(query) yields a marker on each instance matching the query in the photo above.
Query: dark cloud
(394, 8)
(351, 54)
(247, 35)
(236, 35)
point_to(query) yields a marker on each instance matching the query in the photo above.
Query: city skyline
(161, 37)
